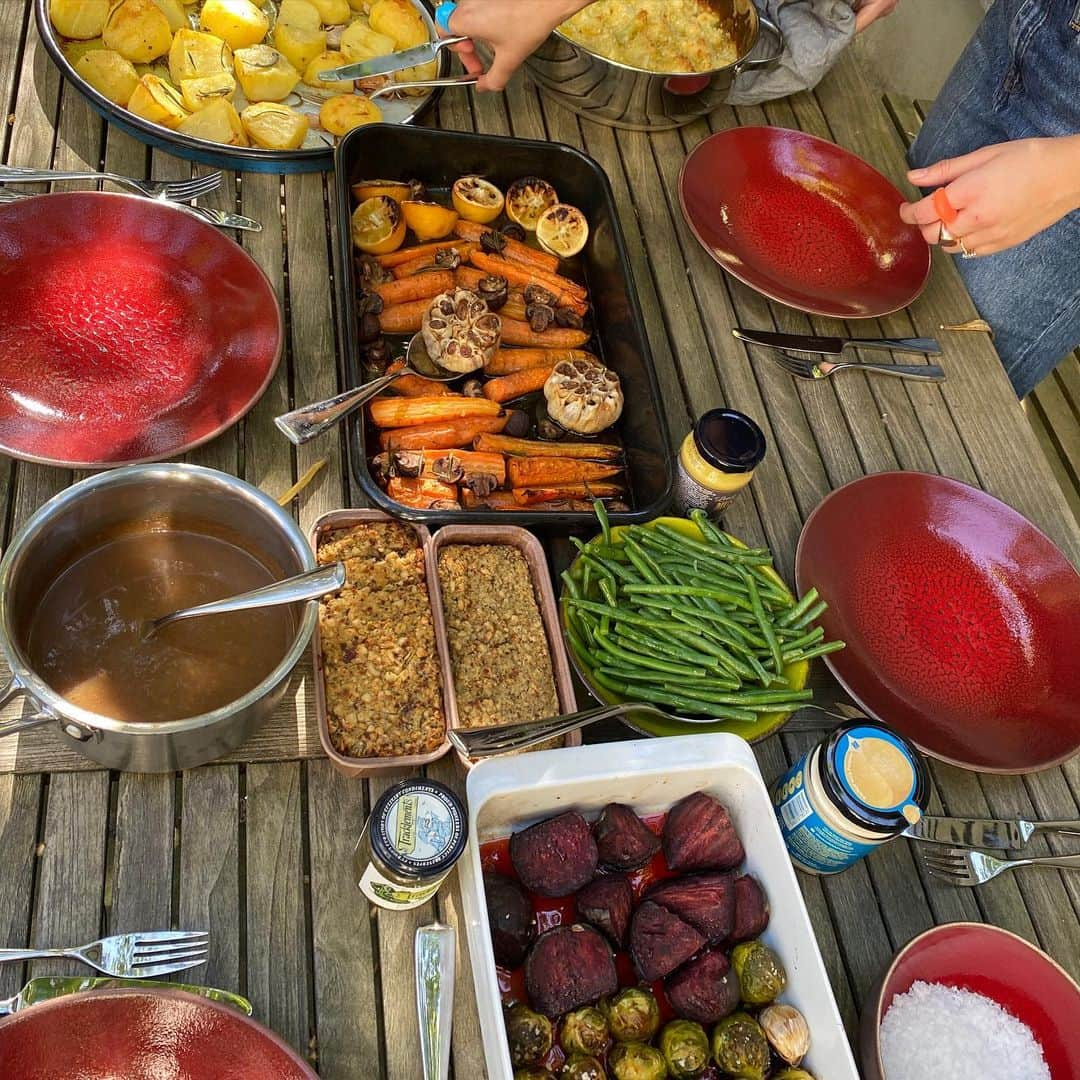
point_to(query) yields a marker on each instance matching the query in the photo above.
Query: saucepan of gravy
(86, 573)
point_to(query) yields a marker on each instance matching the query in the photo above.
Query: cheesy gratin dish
(662, 36)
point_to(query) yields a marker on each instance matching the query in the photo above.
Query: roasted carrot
(531, 472)
(451, 466)
(417, 251)
(418, 287)
(507, 361)
(495, 500)
(516, 332)
(508, 387)
(567, 293)
(513, 249)
(584, 451)
(442, 436)
(415, 386)
(553, 492)
(409, 412)
(404, 318)
(426, 262)
(423, 494)
(515, 306)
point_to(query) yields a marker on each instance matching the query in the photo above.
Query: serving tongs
(435, 966)
(391, 62)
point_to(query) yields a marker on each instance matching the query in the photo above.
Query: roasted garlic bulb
(583, 396)
(460, 332)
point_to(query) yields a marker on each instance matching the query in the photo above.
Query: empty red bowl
(142, 1035)
(803, 221)
(130, 331)
(961, 619)
(989, 961)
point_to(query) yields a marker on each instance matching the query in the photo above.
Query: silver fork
(172, 190)
(960, 867)
(802, 368)
(130, 956)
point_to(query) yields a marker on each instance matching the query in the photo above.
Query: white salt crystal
(935, 1030)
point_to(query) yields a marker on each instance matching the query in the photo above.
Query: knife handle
(900, 344)
(1072, 828)
(923, 372)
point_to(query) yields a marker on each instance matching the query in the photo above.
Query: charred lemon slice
(372, 189)
(477, 199)
(428, 220)
(527, 199)
(378, 226)
(562, 230)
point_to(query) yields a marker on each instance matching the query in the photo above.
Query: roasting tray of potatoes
(236, 83)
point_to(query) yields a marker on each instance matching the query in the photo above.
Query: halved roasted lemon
(562, 230)
(527, 199)
(428, 220)
(378, 225)
(372, 189)
(477, 199)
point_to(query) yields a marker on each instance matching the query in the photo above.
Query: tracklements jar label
(690, 495)
(389, 894)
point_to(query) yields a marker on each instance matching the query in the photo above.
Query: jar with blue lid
(859, 788)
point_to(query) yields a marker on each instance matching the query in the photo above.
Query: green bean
(643, 679)
(601, 513)
(577, 643)
(633, 546)
(676, 652)
(586, 579)
(805, 641)
(766, 626)
(689, 590)
(571, 584)
(587, 560)
(620, 615)
(633, 554)
(607, 590)
(819, 650)
(692, 615)
(808, 599)
(635, 660)
(605, 627)
(610, 684)
(700, 707)
(810, 615)
(611, 552)
(731, 553)
(761, 700)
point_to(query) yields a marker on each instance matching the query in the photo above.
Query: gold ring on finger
(944, 237)
(964, 252)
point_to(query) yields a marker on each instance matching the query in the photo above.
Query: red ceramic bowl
(803, 221)
(961, 619)
(142, 1035)
(130, 331)
(992, 962)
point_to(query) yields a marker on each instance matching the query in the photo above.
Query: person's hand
(512, 28)
(1003, 193)
(869, 11)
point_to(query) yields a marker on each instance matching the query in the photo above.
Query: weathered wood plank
(20, 801)
(347, 991)
(143, 855)
(277, 931)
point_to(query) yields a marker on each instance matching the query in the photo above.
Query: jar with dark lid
(860, 787)
(414, 836)
(717, 460)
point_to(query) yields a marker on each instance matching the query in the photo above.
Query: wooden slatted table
(257, 849)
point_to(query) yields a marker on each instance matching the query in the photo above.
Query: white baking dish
(650, 775)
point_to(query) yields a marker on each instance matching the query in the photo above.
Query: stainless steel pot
(61, 529)
(611, 93)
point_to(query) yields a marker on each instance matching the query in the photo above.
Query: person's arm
(512, 28)
(1004, 194)
(869, 11)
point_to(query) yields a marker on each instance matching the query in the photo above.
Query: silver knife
(832, 346)
(396, 61)
(982, 833)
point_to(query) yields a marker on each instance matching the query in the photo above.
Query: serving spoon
(309, 585)
(305, 423)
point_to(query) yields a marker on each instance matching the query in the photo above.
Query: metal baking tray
(315, 158)
(438, 158)
(524, 541)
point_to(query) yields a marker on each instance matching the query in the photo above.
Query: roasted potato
(298, 44)
(155, 100)
(81, 19)
(344, 112)
(218, 122)
(76, 50)
(173, 10)
(274, 127)
(195, 54)
(239, 23)
(333, 12)
(138, 31)
(398, 19)
(264, 74)
(109, 74)
(298, 13)
(419, 73)
(205, 90)
(362, 6)
(360, 42)
(324, 62)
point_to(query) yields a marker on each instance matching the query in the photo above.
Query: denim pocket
(1029, 19)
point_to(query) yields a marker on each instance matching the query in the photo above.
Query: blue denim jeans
(1018, 78)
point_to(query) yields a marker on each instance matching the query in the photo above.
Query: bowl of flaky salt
(968, 1001)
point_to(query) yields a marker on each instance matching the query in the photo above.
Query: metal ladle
(307, 586)
(305, 423)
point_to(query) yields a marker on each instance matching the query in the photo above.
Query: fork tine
(189, 956)
(950, 870)
(952, 879)
(198, 185)
(169, 935)
(167, 969)
(793, 365)
(165, 950)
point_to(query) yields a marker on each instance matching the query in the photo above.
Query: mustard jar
(717, 460)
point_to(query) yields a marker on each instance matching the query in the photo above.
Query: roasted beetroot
(706, 990)
(751, 910)
(705, 901)
(567, 967)
(660, 941)
(510, 914)
(623, 840)
(699, 835)
(607, 903)
(555, 857)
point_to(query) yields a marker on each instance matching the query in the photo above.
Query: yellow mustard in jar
(717, 460)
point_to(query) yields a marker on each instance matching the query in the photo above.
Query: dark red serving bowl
(961, 619)
(997, 964)
(130, 331)
(803, 221)
(142, 1035)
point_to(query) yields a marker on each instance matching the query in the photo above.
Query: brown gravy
(84, 638)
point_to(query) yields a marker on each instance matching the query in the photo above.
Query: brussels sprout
(740, 1048)
(636, 1061)
(793, 1074)
(685, 1047)
(584, 1031)
(632, 1015)
(787, 1031)
(529, 1035)
(534, 1074)
(761, 975)
(583, 1067)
